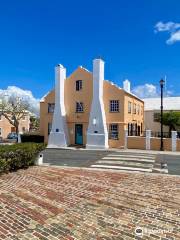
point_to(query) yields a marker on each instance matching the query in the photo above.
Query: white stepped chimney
(59, 134)
(127, 86)
(97, 134)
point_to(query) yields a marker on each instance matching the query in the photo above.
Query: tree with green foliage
(171, 119)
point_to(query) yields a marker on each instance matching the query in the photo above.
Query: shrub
(13, 157)
(32, 138)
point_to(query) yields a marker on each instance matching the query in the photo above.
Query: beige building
(6, 127)
(90, 109)
(152, 110)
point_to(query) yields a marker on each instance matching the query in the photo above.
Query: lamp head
(161, 82)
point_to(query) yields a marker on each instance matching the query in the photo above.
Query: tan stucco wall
(72, 96)
(6, 126)
(131, 117)
(178, 145)
(46, 117)
(156, 143)
(168, 144)
(136, 143)
(140, 143)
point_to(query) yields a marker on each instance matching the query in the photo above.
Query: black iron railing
(178, 135)
(158, 134)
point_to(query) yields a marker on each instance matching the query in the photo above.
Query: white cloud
(25, 95)
(146, 91)
(172, 28)
(175, 37)
(169, 26)
(150, 91)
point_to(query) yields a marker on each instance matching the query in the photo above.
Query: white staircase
(140, 162)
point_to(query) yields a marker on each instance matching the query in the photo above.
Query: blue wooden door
(79, 134)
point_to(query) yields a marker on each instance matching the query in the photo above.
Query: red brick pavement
(68, 204)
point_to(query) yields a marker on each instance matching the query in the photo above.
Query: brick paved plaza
(55, 203)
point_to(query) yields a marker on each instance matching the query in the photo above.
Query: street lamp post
(162, 85)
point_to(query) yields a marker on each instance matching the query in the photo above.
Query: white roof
(169, 103)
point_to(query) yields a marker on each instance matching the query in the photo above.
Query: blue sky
(38, 34)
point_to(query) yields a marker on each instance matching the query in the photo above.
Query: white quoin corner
(97, 134)
(59, 134)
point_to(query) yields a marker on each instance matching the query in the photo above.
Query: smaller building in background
(152, 111)
(6, 127)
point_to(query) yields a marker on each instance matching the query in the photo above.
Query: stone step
(125, 163)
(121, 168)
(158, 170)
(129, 159)
(133, 153)
(132, 156)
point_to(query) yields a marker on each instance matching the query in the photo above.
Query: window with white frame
(51, 107)
(78, 85)
(114, 105)
(0, 131)
(79, 107)
(113, 131)
(134, 109)
(129, 107)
